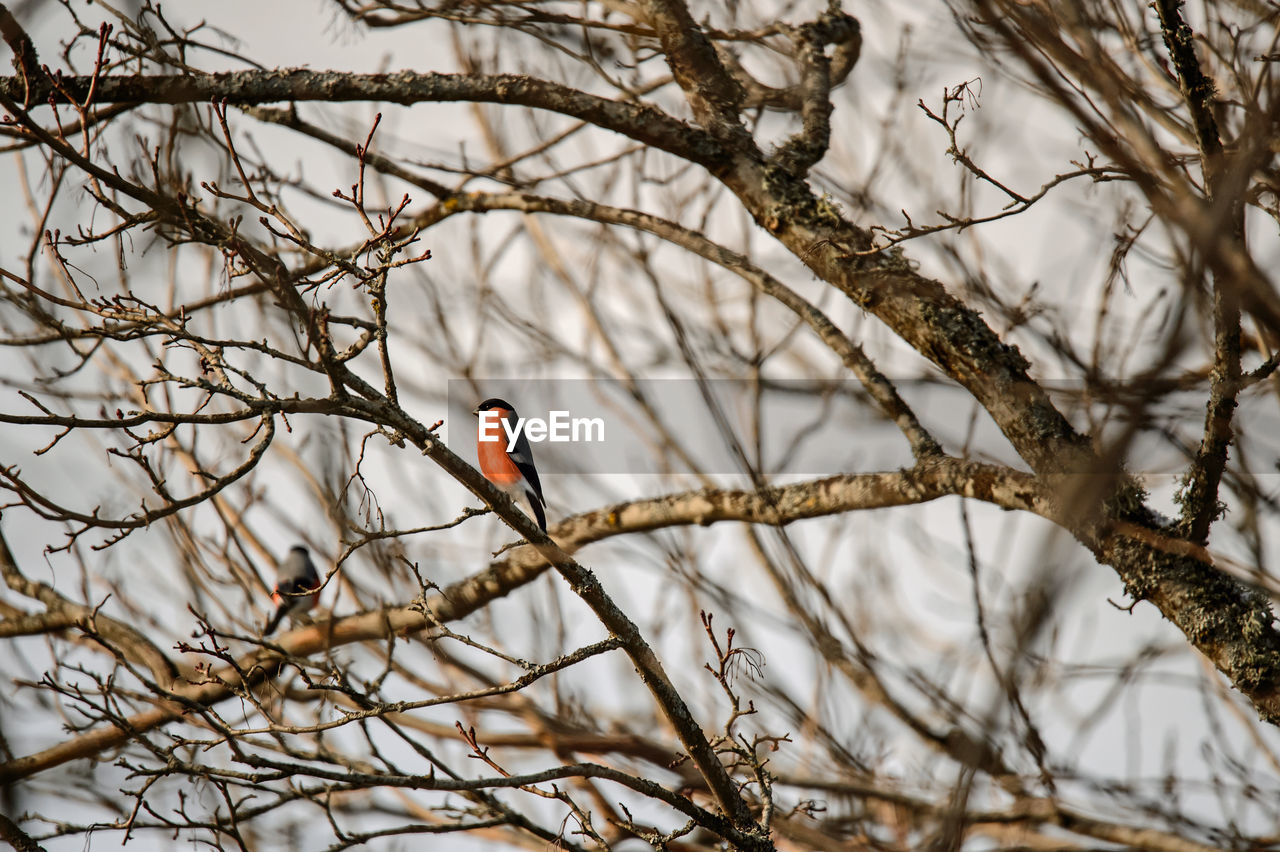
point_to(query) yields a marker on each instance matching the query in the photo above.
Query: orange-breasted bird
(508, 464)
(297, 587)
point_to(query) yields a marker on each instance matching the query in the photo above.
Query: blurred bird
(510, 467)
(297, 587)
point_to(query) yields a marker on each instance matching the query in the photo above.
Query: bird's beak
(475, 412)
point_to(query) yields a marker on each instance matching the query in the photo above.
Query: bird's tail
(275, 620)
(539, 514)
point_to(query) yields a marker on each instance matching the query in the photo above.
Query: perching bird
(297, 587)
(508, 467)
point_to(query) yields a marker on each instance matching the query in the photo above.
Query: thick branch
(9, 830)
(25, 59)
(835, 495)
(639, 121)
(809, 146)
(1200, 495)
(1225, 620)
(847, 47)
(713, 94)
(1197, 89)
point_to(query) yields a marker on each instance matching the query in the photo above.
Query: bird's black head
(298, 548)
(494, 404)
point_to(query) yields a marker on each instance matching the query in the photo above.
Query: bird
(297, 587)
(510, 467)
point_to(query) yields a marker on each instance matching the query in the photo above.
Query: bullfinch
(297, 587)
(507, 464)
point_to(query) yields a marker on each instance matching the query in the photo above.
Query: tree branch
(119, 636)
(787, 504)
(1200, 504)
(807, 147)
(642, 122)
(712, 92)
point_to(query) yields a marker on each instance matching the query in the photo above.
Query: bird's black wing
(522, 457)
(290, 587)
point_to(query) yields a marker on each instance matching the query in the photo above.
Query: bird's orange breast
(495, 464)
